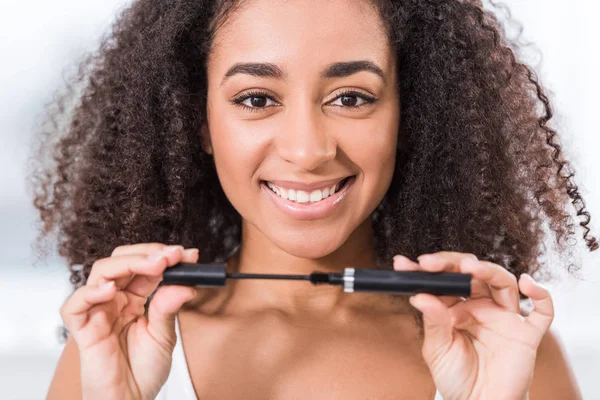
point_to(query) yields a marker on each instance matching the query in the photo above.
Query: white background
(39, 39)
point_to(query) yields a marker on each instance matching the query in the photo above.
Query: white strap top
(179, 383)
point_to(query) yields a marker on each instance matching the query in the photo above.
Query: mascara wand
(352, 279)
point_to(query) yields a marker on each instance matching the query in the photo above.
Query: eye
(348, 99)
(257, 102)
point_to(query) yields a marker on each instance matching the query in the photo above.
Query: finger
(163, 308)
(480, 289)
(502, 283)
(447, 261)
(143, 249)
(485, 320)
(74, 310)
(441, 261)
(543, 307)
(138, 248)
(451, 261)
(122, 268)
(190, 255)
(402, 263)
(143, 286)
(437, 325)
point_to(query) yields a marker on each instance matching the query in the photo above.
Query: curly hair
(478, 167)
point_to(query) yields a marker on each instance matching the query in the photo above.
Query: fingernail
(400, 258)
(190, 252)
(413, 302)
(155, 257)
(172, 248)
(527, 276)
(473, 262)
(427, 257)
(107, 285)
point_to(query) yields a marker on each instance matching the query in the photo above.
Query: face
(319, 104)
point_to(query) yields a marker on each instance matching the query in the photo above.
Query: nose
(304, 141)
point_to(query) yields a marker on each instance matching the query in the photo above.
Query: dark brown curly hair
(478, 167)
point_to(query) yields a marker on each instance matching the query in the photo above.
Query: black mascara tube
(188, 274)
(407, 282)
(352, 279)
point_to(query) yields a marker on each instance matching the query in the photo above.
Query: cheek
(234, 155)
(371, 143)
(375, 153)
(240, 148)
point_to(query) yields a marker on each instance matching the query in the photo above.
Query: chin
(309, 246)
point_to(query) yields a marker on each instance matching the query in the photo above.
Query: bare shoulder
(553, 377)
(66, 382)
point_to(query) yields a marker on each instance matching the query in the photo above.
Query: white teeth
(316, 195)
(300, 196)
(291, 194)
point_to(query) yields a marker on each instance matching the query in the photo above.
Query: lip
(307, 212)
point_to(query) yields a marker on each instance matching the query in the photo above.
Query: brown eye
(254, 101)
(350, 99)
(257, 101)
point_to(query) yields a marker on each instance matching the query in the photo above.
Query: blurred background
(41, 40)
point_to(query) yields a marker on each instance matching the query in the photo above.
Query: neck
(259, 255)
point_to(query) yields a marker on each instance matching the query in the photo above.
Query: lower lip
(306, 212)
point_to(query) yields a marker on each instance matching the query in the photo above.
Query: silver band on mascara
(348, 280)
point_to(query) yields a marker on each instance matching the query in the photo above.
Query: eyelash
(348, 93)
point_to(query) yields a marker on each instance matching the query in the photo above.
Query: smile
(303, 205)
(301, 196)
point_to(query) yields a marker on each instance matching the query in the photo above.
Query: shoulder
(553, 377)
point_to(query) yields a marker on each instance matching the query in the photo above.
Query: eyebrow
(335, 70)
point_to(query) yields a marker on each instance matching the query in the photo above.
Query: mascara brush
(352, 279)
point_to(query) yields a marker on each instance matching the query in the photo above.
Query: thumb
(437, 324)
(163, 308)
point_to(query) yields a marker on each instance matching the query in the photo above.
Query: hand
(480, 347)
(123, 355)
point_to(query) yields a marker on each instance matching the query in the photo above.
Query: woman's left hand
(480, 347)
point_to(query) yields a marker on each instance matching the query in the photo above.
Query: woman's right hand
(123, 354)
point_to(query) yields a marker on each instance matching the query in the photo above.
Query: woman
(212, 126)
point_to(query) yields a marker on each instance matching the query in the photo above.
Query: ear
(205, 139)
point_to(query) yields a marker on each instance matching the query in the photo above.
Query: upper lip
(306, 185)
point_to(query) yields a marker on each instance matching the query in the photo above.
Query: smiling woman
(303, 119)
(294, 136)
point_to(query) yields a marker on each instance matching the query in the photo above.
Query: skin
(286, 340)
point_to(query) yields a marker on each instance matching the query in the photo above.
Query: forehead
(302, 33)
